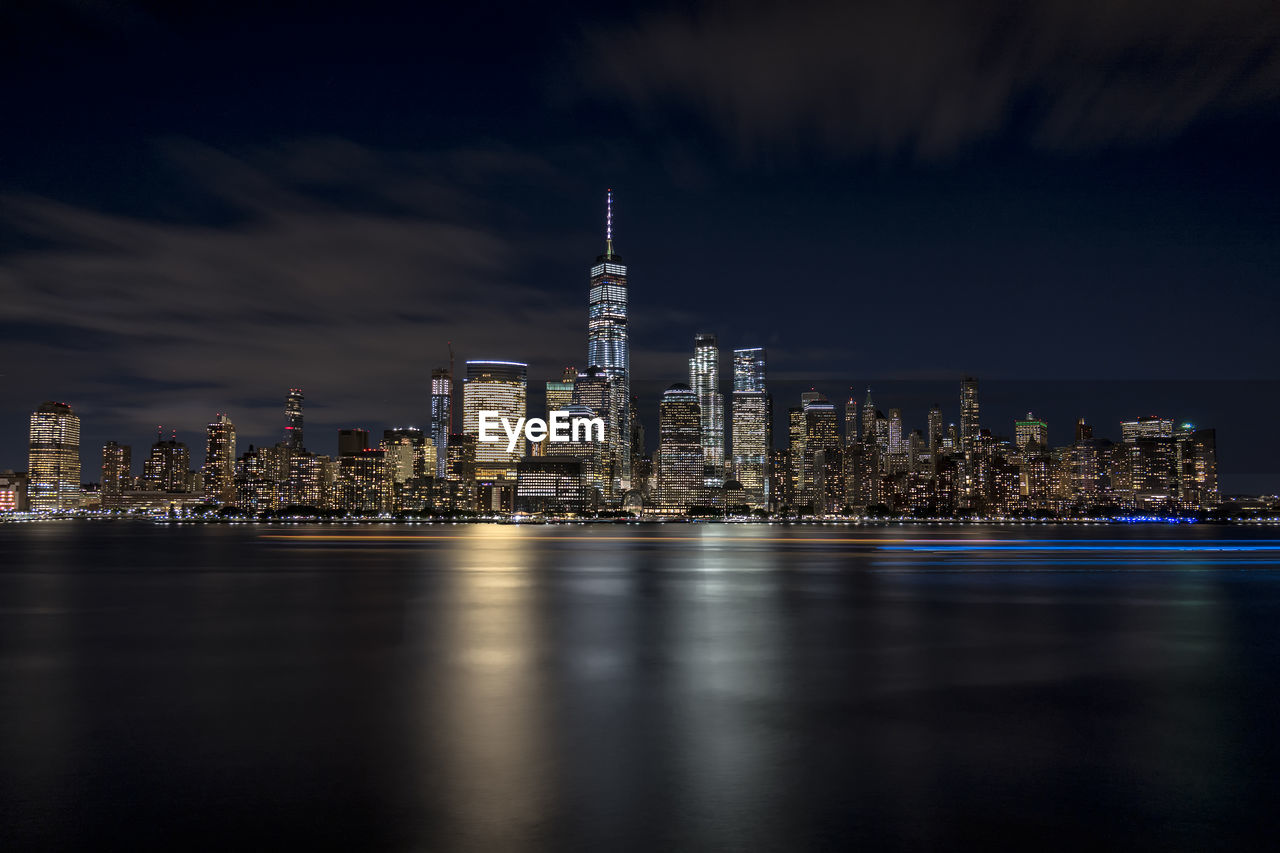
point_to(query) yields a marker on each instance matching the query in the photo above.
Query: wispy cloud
(927, 77)
(343, 270)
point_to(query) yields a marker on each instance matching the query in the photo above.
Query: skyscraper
(441, 416)
(560, 393)
(219, 460)
(935, 429)
(681, 457)
(823, 484)
(54, 459)
(704, 379)
(293, 419)
(1031, 431)
(850, 420)
(750, 417)
(608, 348)
(352, 441)
(117, 473)
(748, 369)
(167, 469)
(969, 427)
(495, 386)
(751, 433)
(593, 397)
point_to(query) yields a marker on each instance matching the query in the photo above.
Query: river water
(637, 687)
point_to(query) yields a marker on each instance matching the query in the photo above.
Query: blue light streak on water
(1202, 547)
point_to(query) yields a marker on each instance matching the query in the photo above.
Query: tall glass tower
(53, 463)
(748, 369)
(751, 428)
(607, 346)
(495, 386)
(293, 419)
(969, 425)
(704, 378)
(441, 416)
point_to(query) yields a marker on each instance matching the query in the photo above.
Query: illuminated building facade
(823, 484)
(219, 460)
(1030, 431)
(560, 393)
(934, 434)
(1197, 462)
(305, 484)
(364, 483)
(1146, 427)
(441, 426)
(167, 469)
(13, 492)
(704, 379)
(749, 368)
(751, 415)
(117, 473)
(681, 455)
(502, 387)
(608, 347)
(751, 438)
(53, 460)
(969, 423)
(293, 419)
(550, 484)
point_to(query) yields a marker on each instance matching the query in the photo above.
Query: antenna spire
(608, 222)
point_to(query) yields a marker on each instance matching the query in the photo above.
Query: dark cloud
(930, 76)
(353, 299)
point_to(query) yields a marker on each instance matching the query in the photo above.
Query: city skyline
(182, 243)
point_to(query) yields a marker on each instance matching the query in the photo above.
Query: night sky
(203, 204)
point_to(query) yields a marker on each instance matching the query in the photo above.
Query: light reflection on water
(686, 686)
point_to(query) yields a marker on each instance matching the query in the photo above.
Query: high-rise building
(403, 449)
(969, 423)
(748, 369)
(117, 473)
(850, 419)
(608, 347)
(502, 387)
(409, 454)
(1030, 431)
(897, 442)
(934, 436)
(560, 393)
(352, 441)
(53, 461)
(364, 483)
(681, 457)
(593, 398)
(167, 469)
(293, 419)
(220, 460)
(1197, 459)
(704, 379)
(868, 419)
(1149, 426)
(797, 474)
(305, 484)
(823, 469)
(751, 439)
(441, 426)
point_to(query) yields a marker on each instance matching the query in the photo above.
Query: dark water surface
(677, 687)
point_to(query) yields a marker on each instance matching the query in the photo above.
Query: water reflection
(684, 687)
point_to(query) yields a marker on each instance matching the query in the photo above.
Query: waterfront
(485, 687)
